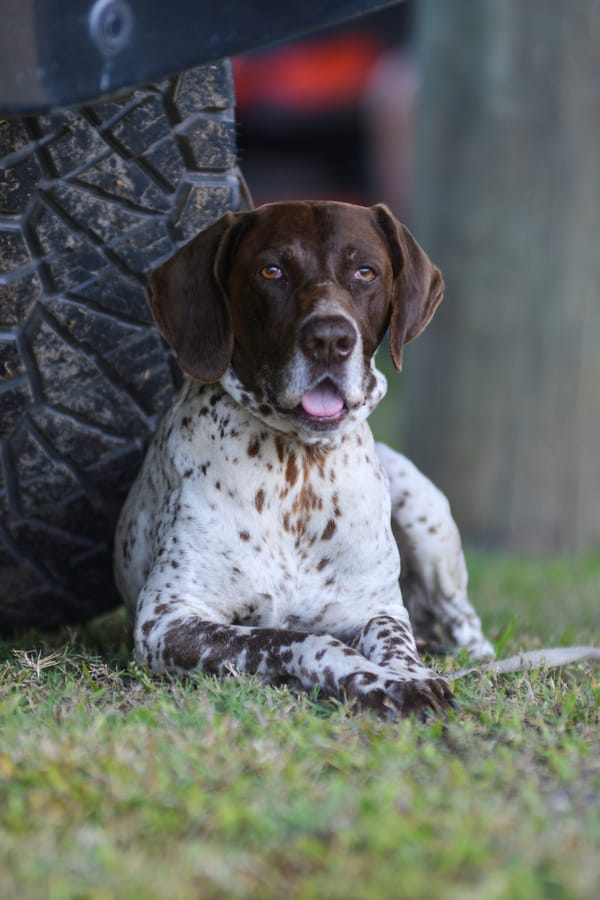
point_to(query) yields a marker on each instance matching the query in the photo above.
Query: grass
(113, 785)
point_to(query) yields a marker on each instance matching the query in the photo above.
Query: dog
(265, 531)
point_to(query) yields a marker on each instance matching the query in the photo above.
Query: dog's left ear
(418, 285)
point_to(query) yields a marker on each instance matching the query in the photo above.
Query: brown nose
(328, 339)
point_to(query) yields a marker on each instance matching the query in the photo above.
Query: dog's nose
(328, 339)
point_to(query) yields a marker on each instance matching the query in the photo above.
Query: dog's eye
(271, 272)
(365, 273)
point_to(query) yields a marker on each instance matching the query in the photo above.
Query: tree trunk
(503, 391)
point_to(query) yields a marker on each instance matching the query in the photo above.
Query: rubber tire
(91, 200)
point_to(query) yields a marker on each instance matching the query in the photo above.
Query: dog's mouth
(322, 405)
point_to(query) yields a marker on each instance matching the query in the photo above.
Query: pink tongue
(323, 401)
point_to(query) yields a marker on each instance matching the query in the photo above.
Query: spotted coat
(263, 532)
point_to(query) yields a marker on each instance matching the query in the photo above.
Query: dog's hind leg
(433, 576)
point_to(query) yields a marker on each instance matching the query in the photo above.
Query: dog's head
(290, 301)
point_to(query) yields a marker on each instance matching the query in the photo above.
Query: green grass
(116, 786)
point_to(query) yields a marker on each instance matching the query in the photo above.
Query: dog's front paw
(394, 698)
(422, 696)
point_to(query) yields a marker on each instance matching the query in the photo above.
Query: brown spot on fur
(307, 500)
(254, 446)
(313, 456)
(245, 535)
(322, 563)
(259, 500)
(329, 530)
(291, 469)
(280, 448)
(161, 608)
(433, 529)
(181, 646)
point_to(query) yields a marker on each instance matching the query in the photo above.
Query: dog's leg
(180, 642)
(389, 643)
(434, 574)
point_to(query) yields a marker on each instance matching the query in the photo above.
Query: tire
(90, 200)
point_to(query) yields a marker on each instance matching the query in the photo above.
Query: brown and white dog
(265, 530)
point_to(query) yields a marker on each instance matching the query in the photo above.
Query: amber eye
(271, 273)
(365, 273)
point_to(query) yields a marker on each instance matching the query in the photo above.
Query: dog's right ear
(189, 302)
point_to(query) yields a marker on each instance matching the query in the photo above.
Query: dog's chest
(287, 527)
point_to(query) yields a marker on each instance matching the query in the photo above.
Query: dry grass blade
(36, 661)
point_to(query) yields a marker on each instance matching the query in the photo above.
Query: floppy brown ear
(189, 303)
(418, 285)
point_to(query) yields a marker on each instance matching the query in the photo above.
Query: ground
(114, 785)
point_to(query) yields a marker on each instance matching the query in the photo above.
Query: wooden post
(503, 390)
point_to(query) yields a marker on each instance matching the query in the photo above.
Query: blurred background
(331, 116)
(479, 125)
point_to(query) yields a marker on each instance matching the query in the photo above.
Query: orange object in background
(329, 117)
(310, 76)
